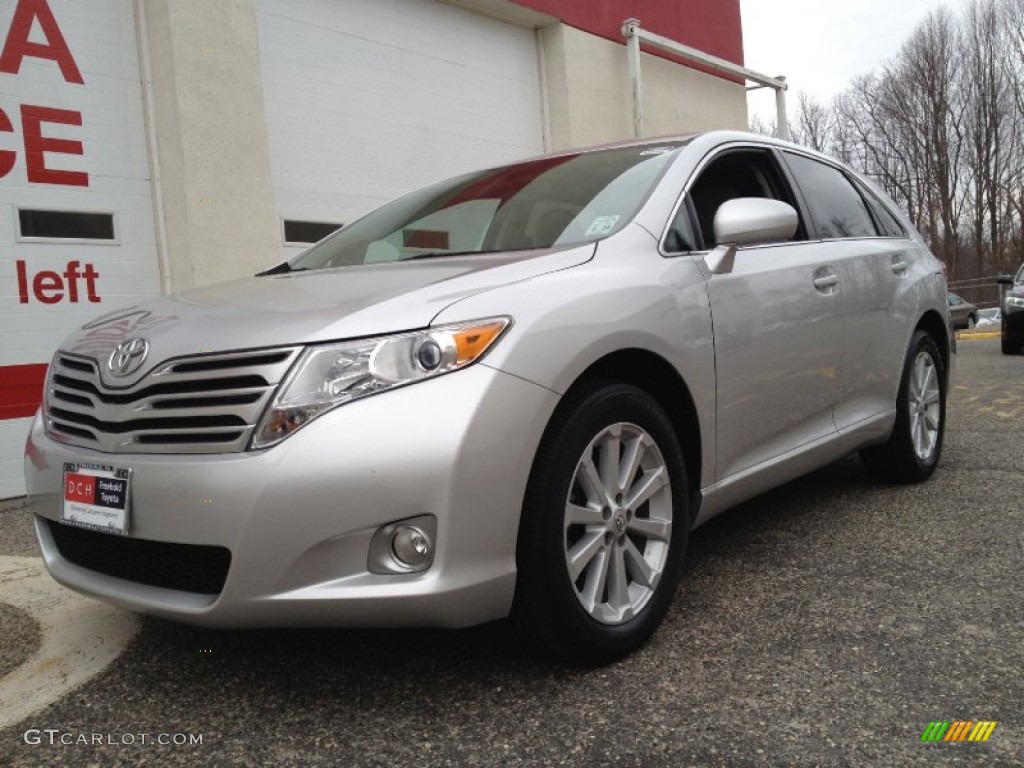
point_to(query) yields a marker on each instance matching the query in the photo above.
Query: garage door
(76, 212)
(367, 101)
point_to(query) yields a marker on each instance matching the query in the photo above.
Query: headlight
(328, 376)
(1015, 301)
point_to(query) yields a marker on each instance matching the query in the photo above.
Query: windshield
(553, 201)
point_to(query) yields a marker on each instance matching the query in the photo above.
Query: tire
(626, 557)
(913, 450)
(1009, 347)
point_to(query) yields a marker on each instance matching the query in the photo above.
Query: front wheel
(912, 452)
(604, 525)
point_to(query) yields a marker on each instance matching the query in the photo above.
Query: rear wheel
(912, 451)
(1010, 348)
(603, 528)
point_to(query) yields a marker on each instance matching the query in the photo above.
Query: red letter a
(18, 46)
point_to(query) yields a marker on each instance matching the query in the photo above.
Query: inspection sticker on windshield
(96, 497)
(602, 225)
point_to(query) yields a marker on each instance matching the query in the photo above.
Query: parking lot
(825, 623)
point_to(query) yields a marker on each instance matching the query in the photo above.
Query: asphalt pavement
(826, 623)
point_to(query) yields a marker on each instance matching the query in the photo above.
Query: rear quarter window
(886, 221)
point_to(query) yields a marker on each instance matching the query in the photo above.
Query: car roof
(707, 139)
(716, 137)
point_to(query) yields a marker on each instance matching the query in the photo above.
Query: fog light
(404, 546)
(411, 546)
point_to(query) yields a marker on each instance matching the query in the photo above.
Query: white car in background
(989, 317)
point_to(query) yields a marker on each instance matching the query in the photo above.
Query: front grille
(182, 567)
(201, 404)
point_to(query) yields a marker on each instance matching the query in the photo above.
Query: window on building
(307, 232)
(65, 225)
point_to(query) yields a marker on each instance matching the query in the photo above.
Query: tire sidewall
(547, 591)
(922, 342)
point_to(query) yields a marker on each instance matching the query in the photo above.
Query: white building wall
(590, 99)
(99, 36)
(211, 139)
(367, 101)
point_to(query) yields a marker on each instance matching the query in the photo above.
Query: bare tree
(813, 124)
(763, 127)
(940, 127)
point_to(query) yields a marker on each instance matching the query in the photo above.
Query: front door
(778, 323)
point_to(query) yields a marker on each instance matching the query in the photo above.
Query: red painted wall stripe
(21, 390)
(712, 26)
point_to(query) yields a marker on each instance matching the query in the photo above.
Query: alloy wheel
(618, 523)
(925, 406)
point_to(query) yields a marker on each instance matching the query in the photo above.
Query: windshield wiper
(281, 269)
(438, 254)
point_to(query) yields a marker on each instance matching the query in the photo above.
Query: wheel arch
(657, 377)
(934, 325)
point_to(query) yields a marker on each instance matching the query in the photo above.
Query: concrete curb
(80, 638)
(972, 335)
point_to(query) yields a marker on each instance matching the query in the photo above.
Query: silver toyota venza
(513, 393)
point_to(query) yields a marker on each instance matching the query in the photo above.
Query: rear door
(876, 261)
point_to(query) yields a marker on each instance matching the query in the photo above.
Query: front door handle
(825, 280)
(821, 283)
(899, 264)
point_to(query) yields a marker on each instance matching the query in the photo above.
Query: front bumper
(298, 518)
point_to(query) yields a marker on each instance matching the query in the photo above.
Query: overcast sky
(821, 45)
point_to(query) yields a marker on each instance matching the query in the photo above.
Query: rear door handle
(899, 264)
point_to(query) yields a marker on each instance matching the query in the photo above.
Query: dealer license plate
(96, 497)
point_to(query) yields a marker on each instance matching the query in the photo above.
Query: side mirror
(748, 221)
(754, 221)
(1004, 280)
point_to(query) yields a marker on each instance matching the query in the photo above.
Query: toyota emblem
(127, 357)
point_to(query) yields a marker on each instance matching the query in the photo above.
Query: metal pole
(782, 116)
(634, 35)
(629, 29)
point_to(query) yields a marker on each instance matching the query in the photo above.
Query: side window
(837, 209)
(734, 174)
(887, 223)
(681, 236)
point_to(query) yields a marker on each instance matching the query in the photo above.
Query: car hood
(309, 307)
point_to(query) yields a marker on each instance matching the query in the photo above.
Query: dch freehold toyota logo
(127, 357)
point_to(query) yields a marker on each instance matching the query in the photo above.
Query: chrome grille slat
(166, 387)
(146, 424)
(164, 406)
(197, 404)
